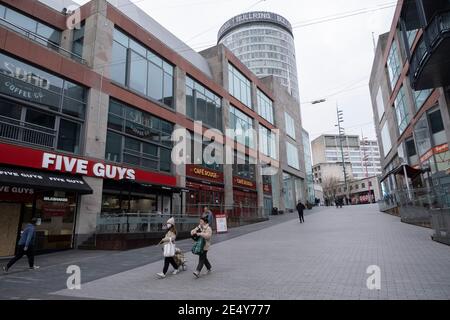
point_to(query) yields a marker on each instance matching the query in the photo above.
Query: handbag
(197, 249)
(169, 249)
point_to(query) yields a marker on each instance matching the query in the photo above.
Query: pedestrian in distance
(26, 246)
(208, 214)
(300, 209)
(169, 240)
(203, 231)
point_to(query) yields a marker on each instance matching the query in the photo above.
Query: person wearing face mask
(171, 235)
(26, 246)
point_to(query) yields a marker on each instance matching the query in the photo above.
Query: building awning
(44, 181)
(410, 171)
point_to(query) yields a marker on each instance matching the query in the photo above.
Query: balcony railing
(41, 40)
(438, 28)
(15, 130)
(428, 207)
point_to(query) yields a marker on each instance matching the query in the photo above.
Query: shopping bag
(169, 249)
(197, 249)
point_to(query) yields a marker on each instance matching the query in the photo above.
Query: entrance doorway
(9, 222)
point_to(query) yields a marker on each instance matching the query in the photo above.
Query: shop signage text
(197, 171)
(436, 150)
(84, 167)
(37, 159)
(205, 173)
(18, 190)
(244, 183)
(26, 76)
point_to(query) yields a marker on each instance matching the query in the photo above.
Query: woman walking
(170, 237)
(204, 231)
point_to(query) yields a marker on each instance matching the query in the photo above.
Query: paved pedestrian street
(325, 258)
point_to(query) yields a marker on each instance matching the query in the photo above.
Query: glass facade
(402, 111)
(239, 86)
(380, 104)
(265, 107)
(210, 152)
(394, 64)
(242, 126)
(386, 139)
(48, 36)
(292, 156)
(308, 167)
(55, 120)
(138, 138)
(244, 166)
(290, 125)
(420, 97)
(267, 142)
(141, 70)
(266, 49)
(203, 105)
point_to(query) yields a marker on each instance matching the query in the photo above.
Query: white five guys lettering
(80, 166)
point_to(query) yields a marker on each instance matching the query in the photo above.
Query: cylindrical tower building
(264, 42)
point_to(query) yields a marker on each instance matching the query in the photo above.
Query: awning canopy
(41, 180)
(410, 171)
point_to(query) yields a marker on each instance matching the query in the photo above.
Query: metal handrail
(439, 25)
(29, 34)
(16, 130)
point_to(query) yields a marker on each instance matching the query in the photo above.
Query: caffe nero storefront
(38, 111)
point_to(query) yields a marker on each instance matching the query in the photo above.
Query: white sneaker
(161, 275)
(176, 272)
(197, 274)
(34, 268)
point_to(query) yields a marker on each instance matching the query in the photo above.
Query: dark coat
(300, 207)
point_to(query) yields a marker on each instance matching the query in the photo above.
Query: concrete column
(259, 189)
(98, 38)
(66, 42)
(228, 167)
(180, 90)
(97, 52)
(89, 208)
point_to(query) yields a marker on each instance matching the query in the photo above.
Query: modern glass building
(264, 42)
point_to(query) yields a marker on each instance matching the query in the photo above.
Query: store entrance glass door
(9, 225)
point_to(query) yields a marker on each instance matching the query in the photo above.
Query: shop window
(138, 73)
(151, 144)
(239, 86)
(40, 119)
(437, 127)
(140, 69)
(118, 67)
(265, 106)
(69, 136)
(113, 147)
(51, 37)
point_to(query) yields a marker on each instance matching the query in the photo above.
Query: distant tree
(329, 186)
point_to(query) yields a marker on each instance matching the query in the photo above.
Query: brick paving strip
(326, 258)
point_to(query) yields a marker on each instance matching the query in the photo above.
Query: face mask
(38, 223)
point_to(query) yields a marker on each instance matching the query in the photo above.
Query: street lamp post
(340, 119)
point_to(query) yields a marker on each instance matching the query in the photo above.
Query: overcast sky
(332, 56)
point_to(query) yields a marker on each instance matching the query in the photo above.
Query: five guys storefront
(36, 183)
